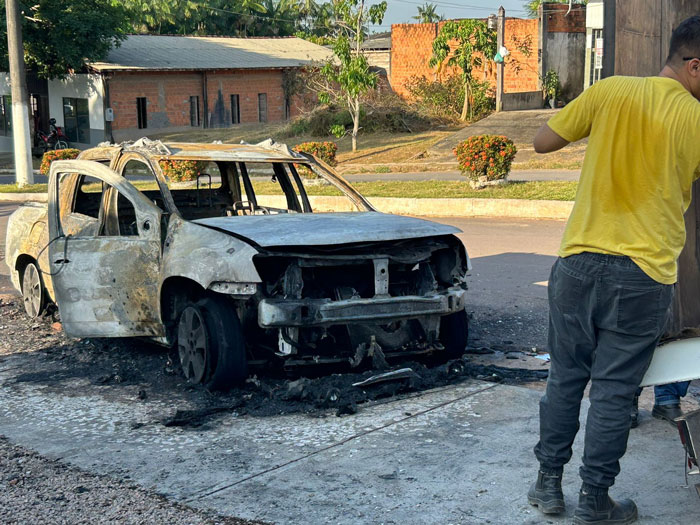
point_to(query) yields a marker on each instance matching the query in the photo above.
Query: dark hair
(685, 41)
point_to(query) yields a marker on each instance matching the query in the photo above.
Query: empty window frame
(194, 111)
(141, 114)
(5, 115)
(262, 107)
(76, 119)
(235, 109)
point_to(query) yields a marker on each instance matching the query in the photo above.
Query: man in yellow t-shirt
(612, 285)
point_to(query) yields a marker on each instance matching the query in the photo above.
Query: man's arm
(547, 141)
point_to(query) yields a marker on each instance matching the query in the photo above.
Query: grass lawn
(542, 190)
(374, 148)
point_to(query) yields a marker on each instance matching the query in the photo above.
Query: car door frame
(105, 285)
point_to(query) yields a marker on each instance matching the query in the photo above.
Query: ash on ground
(38, 352)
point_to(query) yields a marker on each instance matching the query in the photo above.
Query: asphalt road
(519, 175)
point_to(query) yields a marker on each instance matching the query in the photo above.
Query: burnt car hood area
(324, 229)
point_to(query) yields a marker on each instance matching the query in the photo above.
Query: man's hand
(547, 141)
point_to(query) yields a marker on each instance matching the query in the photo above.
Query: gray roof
(378, 41)
(159, 53)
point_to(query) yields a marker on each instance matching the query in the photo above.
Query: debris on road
(394, 375)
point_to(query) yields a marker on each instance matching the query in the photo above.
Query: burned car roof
(265, 151)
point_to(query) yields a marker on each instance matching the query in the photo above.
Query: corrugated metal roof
(159, 52)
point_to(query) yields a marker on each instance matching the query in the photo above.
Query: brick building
(167, 83)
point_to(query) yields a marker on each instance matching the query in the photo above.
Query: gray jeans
(605, 319)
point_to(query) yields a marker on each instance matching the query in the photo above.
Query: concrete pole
(500, 67)
(20, 107)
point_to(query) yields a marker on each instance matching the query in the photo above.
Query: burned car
(228, 275)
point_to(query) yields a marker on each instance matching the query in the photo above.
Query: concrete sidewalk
(459, 454)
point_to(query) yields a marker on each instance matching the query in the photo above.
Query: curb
(505, 208)
(24, 197)
(499, 208)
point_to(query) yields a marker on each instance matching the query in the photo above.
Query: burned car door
(105, 264)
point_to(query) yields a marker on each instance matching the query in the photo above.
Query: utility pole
(20, 108)
(500, 67)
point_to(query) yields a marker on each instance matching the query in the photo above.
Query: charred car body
(231, 277)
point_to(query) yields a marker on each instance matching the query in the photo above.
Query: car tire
(210, 344)
(454, 332)
(33, 291)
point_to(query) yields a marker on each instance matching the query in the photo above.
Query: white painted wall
(78, 86)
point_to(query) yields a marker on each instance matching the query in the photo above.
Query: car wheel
(210, 344)
(454, 331)
(33, 293)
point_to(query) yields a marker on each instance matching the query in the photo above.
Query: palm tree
(427, 15)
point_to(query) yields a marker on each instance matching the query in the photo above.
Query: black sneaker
(595, 507)
(667, 412)
(545, 493)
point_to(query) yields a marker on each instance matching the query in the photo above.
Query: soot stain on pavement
(35, 352)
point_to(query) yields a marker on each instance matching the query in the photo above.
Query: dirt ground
(136, 371)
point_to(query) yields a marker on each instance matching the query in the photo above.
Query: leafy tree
(60, 35)
(465, 44)
(348, 77)
(531, 6)
(427, 15)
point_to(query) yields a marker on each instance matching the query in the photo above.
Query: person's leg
(571, 342)
(667, 400)
(670, 394)
(631, 315)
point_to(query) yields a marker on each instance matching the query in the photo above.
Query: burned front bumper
(325, 312)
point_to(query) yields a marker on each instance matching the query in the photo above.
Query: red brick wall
(167, 94)
(168, 97)
(411, 49)
(557, 22)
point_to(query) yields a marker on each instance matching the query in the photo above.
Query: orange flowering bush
(487, 156)
(56, 154)
(323, 150)
(181, 170)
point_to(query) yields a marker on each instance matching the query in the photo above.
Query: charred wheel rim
(32, 291)
(193, 344)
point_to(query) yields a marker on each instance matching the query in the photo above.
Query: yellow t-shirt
(642, 157)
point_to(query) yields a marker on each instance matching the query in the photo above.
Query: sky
(401, 11)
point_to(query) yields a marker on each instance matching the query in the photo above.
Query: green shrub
(57, 154)
(487, 156)
(323, 150)
(445, 98)
(181, 170)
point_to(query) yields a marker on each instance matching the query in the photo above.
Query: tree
(427, 15)
(474, 43)
(348, 77)
(531, 6)
(61, 35)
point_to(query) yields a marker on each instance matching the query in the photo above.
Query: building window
(287, 108)
(262, 107)
(5, 115)
(76, 120)
(194, 111)
(235, 109)
(141, 115)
